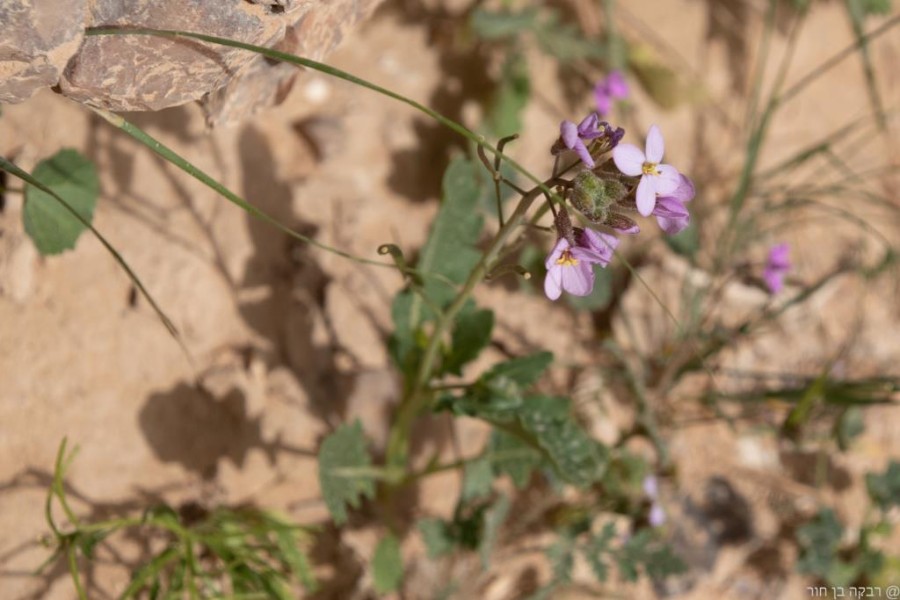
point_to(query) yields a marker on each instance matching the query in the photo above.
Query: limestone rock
(143, 72)
(36, 42)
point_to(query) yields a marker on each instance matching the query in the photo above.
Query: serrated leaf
(561, 557)
(478, 478)
(577, 458)
(596, 548)
(819, 540)
(504, 112)
(52, 228)
(565, 42)
(504, 24)
(437, 537)
(387, 565)
(511, 456)
(524, 371)
(471, 334)
(885, 489)
(493, 519)
(343, 458)
(450, 251)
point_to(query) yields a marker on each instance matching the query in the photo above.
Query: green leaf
(524, 371)
(387, 565)
(450, 251)
(512, 456)
(343, 460)
(499, 25)
(601, 295)
(819, 541)
(562, 559)
(885, 489)
(565, 42)
(478, 478)
(596, 548)
(685, 242)
(288, 545)
(656, 558)
(577, 458)
(437, 536)
(493, 519)
(504, 112)
(876, 7)
(471, 334)
(51, 227)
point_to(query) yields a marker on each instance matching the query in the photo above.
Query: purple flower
(570, 268)
(777, 267)
(670, 211)
(656, 179)
(614, 86)
(573, 137)
(657, 515)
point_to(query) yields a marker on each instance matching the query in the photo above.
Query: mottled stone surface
(131, 72)
(313, 33)
(42, 44)
(37, 38)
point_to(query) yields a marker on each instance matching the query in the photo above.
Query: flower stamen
(566, 259)
(649, 168)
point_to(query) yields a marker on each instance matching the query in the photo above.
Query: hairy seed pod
(593, 196)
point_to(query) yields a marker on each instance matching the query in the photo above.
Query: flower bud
(593, 196)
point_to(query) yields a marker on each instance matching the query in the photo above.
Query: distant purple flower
(670, 211)
(614, 86)
(656, 179)
(570, 268)
(777, 267)
(657, 515)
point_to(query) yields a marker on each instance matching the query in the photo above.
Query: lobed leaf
(342, 459)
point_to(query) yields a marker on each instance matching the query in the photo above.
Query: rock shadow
(189, 426)
(291, 311)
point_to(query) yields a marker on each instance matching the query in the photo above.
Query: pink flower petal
(655, 145)
(562, 244)
(668, 180)
(569, 133)
(578, 280)
(646, 195)
(629, 159)
(553, 282)
(673, 225)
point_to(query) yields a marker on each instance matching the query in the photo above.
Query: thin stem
(73, 571)
(416, 398)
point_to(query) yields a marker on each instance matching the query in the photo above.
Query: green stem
(73, 571)
(417, 395)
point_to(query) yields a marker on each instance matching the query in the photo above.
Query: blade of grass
(857, 20)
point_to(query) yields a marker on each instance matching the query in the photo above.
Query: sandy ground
(286, 341)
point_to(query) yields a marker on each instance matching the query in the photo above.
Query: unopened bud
(593, 196)
(564, 225)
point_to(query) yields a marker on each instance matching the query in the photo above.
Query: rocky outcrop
(42, 44)
(36, 42)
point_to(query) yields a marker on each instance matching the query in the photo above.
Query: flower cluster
(605, 190)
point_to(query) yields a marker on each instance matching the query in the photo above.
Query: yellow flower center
(566, 259)
(649, 168)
